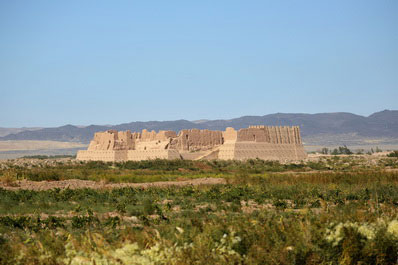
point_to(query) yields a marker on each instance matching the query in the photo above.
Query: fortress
(268, 143)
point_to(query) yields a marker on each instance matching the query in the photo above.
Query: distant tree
(342, 150)
(325, 151)
(335, 152)
(378, 150)
(360, 152)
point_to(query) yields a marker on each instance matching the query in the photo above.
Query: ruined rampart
(269, 143)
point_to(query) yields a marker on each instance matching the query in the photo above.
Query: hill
(383, 124)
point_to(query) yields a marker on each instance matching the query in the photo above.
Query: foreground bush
(261, 238)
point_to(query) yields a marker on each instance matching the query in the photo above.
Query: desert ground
(36, 145)
(19, 148)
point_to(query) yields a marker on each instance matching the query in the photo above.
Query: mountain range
(383, 124)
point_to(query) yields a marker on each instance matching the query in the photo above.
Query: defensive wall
(281, 143)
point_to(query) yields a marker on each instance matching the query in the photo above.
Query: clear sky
(110, 62)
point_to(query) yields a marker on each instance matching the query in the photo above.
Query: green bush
(393, 154)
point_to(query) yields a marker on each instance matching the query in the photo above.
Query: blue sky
(109, 62)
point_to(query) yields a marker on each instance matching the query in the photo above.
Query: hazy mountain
(7, 131)
(382, 124)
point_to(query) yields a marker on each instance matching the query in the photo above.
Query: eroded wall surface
(197, 140)
(138, 155)
(269, 143)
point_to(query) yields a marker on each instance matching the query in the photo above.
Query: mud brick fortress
(268, 143)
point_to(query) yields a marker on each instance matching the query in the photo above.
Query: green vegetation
(339, 210)
(342, 150)
(166, 170)
(393, 154)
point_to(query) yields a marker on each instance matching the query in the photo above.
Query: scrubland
(333, 210)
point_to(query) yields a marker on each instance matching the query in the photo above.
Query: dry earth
(80, 184)
(37, 145)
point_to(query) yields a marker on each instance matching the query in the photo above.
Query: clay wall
(137, 155)
(148, 135)
(227, 151)
(265, 151)
(230, 134)
(125, 141)
(271, 134)
(112, 140)
(165, 135)
(252, 135)
(195, 139)
(153, 136)
(151, 145)
(268, 143)
(103, 140)
(102, 155)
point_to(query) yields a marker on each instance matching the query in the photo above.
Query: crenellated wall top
(194, 139)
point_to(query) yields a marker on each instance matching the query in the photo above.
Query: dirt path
(80, 184)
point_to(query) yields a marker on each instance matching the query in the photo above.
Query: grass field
(337, 210)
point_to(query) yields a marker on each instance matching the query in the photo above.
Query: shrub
(393, 154)
(9, 177)
(342, 150)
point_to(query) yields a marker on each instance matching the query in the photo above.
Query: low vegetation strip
(82, 184)
(173, 170)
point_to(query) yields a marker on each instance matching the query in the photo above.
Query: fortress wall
(290, 135)
(112, 140)
(165, 135)
(297, 134)
(193, 155)
(227, 151)
(125, 141)
(148, 136)
(135, 135)
(271, 134)
(195, 139)
(211, 156)
(265, 151)
(284, 135)
(264, 142)
(252, 134)
(103, 140)
(137, 155)
(230, 134)
(145, 135)
(151, 145)
(102, 155)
